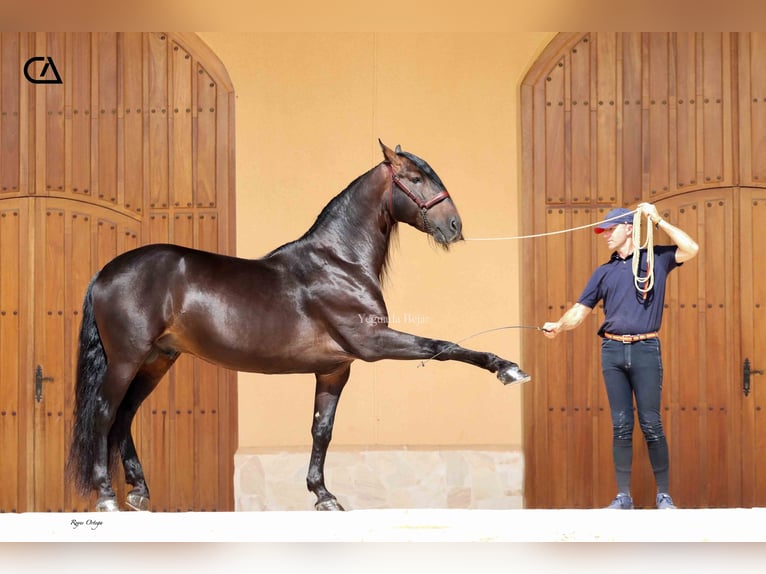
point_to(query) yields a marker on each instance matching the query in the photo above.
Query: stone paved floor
(384, 478)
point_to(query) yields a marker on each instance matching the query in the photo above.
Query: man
(631, 360)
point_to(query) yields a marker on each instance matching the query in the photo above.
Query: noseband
(423, 205)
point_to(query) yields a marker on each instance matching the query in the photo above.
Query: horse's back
(157, 255)
(144, 288)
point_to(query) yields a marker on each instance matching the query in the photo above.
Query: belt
(631, 338)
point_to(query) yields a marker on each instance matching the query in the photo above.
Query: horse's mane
(338, 204)
(344, 201)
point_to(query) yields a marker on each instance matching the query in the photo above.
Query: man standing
(631, 360)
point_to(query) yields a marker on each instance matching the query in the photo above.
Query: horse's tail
(91, 367)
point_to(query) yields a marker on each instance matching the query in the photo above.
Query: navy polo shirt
(626, 311)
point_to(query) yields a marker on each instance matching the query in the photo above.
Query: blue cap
(615, 217)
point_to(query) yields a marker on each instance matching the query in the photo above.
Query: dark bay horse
(296, 310)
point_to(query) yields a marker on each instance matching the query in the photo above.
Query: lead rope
(547, 234)
(643, 284)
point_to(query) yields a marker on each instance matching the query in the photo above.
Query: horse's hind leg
(145, 381)
(116, 382)
(328, 390)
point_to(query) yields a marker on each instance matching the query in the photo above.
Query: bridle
(423, 205)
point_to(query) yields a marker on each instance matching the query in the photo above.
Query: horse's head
(418, 197)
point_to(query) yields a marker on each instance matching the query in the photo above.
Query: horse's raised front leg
(385, 343)
(328, 390)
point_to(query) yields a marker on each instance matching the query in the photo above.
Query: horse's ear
(390, 155)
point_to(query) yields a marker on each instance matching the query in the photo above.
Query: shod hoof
(137, 501)
(330, 504)
(107, 505)
(513, 375)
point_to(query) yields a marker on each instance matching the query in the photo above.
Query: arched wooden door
(135, 146)
(679, 120)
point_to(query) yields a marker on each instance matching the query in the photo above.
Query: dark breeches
(635, 370)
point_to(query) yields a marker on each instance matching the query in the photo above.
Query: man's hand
(551, 329)
(650, 211)
(568, 321)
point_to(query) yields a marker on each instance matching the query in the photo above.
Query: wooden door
(72, 241)
(752, 222)
(677, 119)
(135, 146)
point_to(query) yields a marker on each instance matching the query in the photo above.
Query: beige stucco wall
(309, 111)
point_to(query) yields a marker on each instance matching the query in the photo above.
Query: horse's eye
(415, 179)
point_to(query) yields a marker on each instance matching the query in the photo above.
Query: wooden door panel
(753, 304)
(53, 136)
(13, 114)
(700, 398)
(52, 414)
(752, 106)
(180, 110)
(79, 127)
(586, 393)
(581, 122)
(630, 178)
(209, 105)
(555, 160)
(716, 108)
(105, 107)
(15, 375)
(159, 188)
(680, 340)
(686, 108)
(656, 107)
(131, 120)
(557, 389)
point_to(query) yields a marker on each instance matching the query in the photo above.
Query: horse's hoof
(330, 504)
(137, 501)
(107, 505)
(513, 375)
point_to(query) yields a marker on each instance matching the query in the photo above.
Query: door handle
(39, 380)
(746, 373)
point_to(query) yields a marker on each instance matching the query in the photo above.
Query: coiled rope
(643, 284)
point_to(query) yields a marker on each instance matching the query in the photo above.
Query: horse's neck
(362, 230)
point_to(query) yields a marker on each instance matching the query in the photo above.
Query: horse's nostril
(454, 223)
